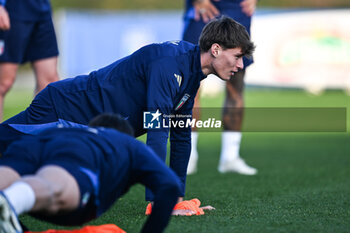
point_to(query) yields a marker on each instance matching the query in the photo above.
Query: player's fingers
(197, 15)
(248, 7)
(212, 9)
(183, 212)
(208, 207)
(4, 23)
(249, 11)
(210, 15)
(205, 17)
(7, 24)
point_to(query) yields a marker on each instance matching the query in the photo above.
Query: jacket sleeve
(161, 89)
(180, 146)
(165, 185)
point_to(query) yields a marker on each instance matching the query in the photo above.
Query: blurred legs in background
(230, 160)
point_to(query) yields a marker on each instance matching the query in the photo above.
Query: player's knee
(46, 80)
(51, 77)
(10, 174)
(5, 85)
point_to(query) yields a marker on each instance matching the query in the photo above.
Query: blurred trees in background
(178, 4)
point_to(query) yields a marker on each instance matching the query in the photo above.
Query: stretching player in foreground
(69, 176)
(161, 78)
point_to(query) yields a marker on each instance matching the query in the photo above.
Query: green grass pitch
(303, 184)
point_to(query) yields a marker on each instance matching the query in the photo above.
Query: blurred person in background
(197, 14)
(26, 35)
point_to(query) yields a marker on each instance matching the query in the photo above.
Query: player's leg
(11, 165)
(10, 174)
(192, 163)
(7, 78)
(12, 49)
(45, 72)
(230, 160)
(50, 191)
(43, 54)
(55, 190)
(8, 217)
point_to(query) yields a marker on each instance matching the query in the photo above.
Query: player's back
(122, 86)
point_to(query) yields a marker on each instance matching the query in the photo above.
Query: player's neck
(206, 60)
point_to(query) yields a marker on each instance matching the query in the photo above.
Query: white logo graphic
(178, 79)
(157, 120)
(175, 42)
(151, 120)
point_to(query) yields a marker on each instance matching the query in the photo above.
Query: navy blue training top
(147, 80)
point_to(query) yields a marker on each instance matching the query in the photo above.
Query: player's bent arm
(162, 181)
(157, 140)
(180, 146)
(161, 90)
(166, 196)
(180, 150)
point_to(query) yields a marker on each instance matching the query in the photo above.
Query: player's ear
(215, 49)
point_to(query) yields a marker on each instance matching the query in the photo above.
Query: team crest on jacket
(182, 101)
(178, 78)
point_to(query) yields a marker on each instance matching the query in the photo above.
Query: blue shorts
(28, 41)
(74, 156)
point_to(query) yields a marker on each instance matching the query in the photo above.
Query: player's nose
(240, 64)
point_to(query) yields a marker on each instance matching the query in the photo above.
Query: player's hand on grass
(205, 9)
(4, 19)
(194, 206)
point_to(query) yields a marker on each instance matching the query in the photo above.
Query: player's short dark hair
(227, 33)
(114, 121)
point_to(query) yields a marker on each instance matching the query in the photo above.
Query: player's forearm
(157, 140)
(179, 157)
(165, 200)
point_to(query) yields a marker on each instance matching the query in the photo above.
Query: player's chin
(228, 77)
(225, 77)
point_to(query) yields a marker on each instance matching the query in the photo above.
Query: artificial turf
(302, 185)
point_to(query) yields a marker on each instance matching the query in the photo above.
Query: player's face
(227, 62)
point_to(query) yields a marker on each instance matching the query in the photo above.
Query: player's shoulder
(178, 46)
(169, 48)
